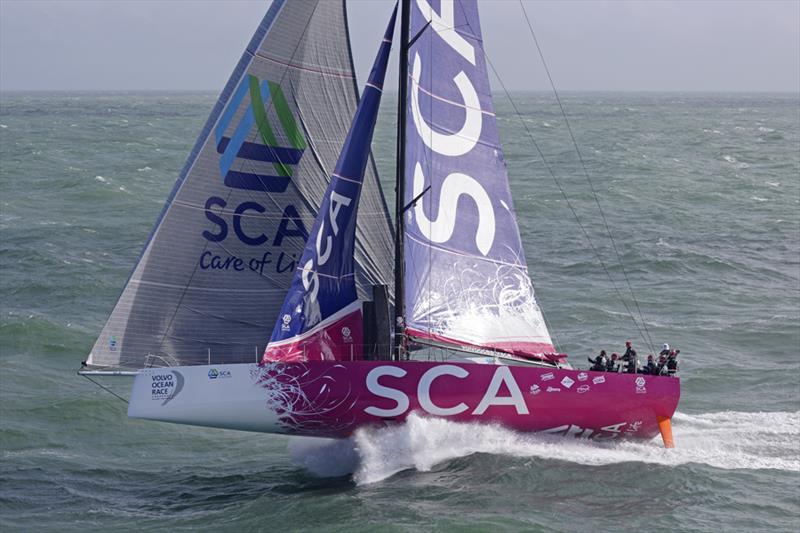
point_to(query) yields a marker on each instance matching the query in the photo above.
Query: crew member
(665, 350)
(662, 365)
(630, 358)
(611, 365)
(599, 362)
(650, 367)
(672, 363)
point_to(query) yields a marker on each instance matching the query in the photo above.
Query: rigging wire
(649, 340)
(104, 387)
(566, 198)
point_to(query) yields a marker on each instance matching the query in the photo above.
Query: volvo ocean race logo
(166, 385)
(260, 151)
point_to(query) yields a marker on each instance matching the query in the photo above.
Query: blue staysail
(466, 278)
(321, 317)
(214, 273)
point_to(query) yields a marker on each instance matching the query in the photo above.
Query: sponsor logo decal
(553, 389)
(213, 373)
(503, 391)
(605, 433)
(112, 344)
(640, 385)
(567, 382)
(275, 160)
(598, 380)
(583, 376)
(346, 337)
(547, 377)
(263, 160)
(535, 389)
(582, 389)
(287, 318)
(166, 385)
(634, 426)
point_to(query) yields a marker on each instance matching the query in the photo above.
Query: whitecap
(773, 183)
(765, 130)
(143, 169)
(101, 179)
(727, 440)
(759, 199)
(3, 126)
(730, 158)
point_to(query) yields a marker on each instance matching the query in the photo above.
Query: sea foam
(726, 440)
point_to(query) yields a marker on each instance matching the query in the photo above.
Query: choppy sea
(701, 193)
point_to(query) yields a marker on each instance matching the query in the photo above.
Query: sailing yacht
(277, 294)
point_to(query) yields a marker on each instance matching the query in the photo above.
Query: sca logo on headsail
(258, 162)
(259, 146)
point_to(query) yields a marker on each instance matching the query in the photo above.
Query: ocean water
(701, 192)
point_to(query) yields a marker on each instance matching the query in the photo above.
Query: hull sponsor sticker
(567, 382)
(598, 380)
(583, 376)
(165, 386)
(547, 377)
(582, 389)
(213, 373)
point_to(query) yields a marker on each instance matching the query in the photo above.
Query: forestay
(466, 278)
(221, 257)
(321, 318)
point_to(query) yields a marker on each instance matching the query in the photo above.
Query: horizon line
(394, 91)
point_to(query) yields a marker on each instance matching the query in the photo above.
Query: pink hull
(333, 399)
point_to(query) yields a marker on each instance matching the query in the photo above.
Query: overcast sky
(594, 45)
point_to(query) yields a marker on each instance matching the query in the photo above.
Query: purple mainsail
(321, 316)
(466, 278)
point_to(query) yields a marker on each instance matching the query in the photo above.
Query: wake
(726, 440)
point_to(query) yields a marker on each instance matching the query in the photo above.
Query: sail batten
(466, 276)
(217, 265)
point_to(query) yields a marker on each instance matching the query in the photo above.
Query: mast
(399, 304)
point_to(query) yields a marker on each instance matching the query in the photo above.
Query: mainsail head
(321, 316)
(466, 277)
(215, 270)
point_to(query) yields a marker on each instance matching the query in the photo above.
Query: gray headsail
(215, 270)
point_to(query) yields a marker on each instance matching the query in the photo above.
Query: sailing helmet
(666, 346)
(614, 356)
